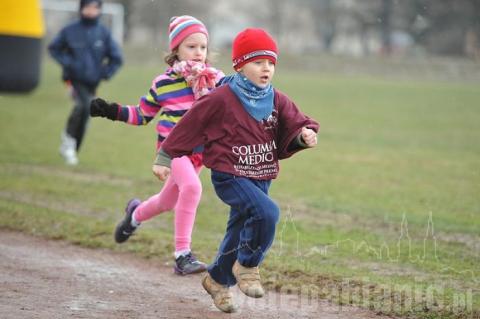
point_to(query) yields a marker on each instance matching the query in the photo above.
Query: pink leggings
(182, 192)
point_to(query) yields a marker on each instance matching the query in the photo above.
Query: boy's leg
(251, 227)
(220, 277)
(78, 119)
(259, 229)
(221, 268)
(73, 134)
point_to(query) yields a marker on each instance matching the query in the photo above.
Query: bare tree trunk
(330, 25)
(385, 20)
(128, 9)
(472, 36)
(276, 15)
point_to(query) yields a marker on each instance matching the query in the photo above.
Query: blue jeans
(250, 228)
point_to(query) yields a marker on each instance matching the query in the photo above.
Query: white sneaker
(68, 149)
(70, 156)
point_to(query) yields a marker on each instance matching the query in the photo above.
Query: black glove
(100, 107)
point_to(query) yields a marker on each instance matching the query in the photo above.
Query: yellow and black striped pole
(21, 32)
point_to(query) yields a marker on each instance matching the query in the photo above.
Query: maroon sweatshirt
(234, 141)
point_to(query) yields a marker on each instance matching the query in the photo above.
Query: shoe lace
(187, 259)
(191, 258)
(128, 229)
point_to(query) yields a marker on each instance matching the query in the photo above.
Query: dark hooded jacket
(86, 50)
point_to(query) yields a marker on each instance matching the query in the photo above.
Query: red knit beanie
(252, 44)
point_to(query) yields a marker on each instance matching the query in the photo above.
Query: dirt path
(52, 279)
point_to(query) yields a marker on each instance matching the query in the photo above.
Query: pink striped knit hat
(181, 27)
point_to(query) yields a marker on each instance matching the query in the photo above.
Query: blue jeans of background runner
(250, 228)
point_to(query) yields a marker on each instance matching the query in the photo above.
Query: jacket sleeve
(291, 121)
(199, 126)
(144, 111)
(58, 49)
(114, 56)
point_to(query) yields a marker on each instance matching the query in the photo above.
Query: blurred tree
(385, 23)
(365, 21)
(154, 15)
(128, 9)
(325, 21)
(371, 18)
(472, 37)
(276, 17)
(441, 26)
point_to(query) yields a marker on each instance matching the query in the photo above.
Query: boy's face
(259, 71)
(194, 48)
(91, 10)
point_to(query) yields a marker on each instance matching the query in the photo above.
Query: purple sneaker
(188, 264)
(125, 229)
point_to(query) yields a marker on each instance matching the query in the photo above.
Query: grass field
(384, 213)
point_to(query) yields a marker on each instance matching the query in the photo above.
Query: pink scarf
(199, 76)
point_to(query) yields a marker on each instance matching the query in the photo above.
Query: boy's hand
(309, 137)
(100, 107)
(162, 172)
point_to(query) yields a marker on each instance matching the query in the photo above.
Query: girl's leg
(137, 211)
(158, 203)
(181, 191)
(185, 176)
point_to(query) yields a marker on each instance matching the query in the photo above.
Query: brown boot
(248, 280)
(221, 295)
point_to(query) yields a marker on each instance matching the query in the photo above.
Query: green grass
(384, 213)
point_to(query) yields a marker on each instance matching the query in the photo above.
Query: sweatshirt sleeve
(199, 126)
(291, 121)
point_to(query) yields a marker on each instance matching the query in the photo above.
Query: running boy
(88, 54)
(246, 127)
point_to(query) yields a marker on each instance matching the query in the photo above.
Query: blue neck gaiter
(257, 101)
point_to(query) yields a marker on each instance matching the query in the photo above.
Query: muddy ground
(52, 279)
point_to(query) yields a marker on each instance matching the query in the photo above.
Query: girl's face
(91, 10)
(260, 72)
(194, 47)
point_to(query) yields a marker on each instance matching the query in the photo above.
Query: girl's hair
(172, 57)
